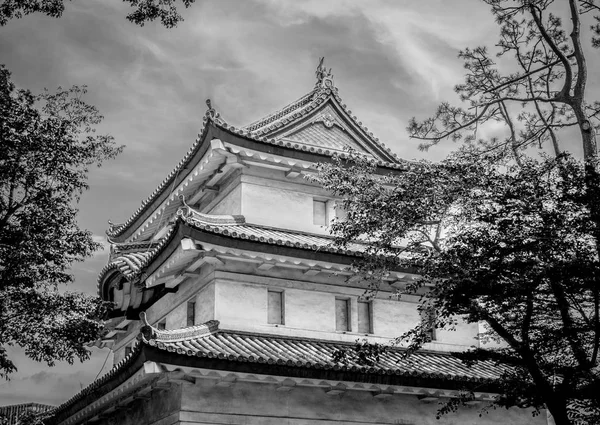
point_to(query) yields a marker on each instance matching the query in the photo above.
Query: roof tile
(255, 348)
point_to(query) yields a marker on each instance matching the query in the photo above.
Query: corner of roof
(211, 116)
(156, 337)
(132, 264)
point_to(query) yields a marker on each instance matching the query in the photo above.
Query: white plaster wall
(392, 318)
(240, 303)
(205, 304)
(464, 334)
(177, 318)
(279, 207)
(230, 204)
(309, 310)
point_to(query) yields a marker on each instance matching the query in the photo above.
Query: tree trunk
(588, 135)
(558, 413)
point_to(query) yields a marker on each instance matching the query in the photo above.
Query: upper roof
(315, 128)
(320, 118)
(208, 347)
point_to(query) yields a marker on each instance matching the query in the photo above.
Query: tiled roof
(126, 248)
(117, 229)
(12, 412)
(263, 131)
(315, 354)
(268, 235)
(97, 385)
(132, 265)
(320, 136)
(324, 92)
(319, 99)
(395, 165)
(209, 342)
(291, 109)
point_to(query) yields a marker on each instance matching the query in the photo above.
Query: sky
(391, 60)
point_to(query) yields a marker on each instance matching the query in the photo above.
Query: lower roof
(208, 347)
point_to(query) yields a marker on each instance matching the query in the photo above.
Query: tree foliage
(144, 11)
(510, 245)
(48, 143)
(498, 237)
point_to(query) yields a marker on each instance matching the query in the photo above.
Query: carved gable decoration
(325, 128)
(320, 119)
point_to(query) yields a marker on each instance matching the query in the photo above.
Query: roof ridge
(154, 336)
(133, 258)
(116, 230)
(261, 122)
(424, 363)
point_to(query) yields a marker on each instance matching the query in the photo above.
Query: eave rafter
(191, 255)
(202, 180)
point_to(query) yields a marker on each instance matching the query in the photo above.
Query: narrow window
(319, 212)
(127, 350)
(191, 313)
(162, 325)
(342, 314)
(364, 317)
(428, 322)
(275, 308)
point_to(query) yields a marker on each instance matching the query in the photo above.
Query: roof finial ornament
(324, 77)
(147, 331)
(184, 211)
(211, 112)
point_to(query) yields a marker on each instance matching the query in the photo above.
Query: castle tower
(230, 300)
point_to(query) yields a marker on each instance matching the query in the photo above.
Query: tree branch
(564, 92)
(528, 74)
